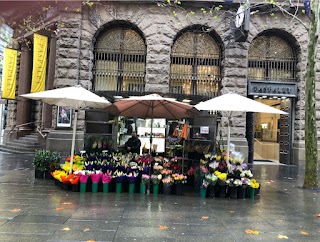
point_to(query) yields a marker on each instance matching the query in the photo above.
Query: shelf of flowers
(119, 172)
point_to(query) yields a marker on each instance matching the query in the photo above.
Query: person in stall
(133, 144)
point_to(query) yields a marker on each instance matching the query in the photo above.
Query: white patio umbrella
(76, 97)
(232, 102)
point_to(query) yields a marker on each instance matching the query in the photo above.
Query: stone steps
(25, 145)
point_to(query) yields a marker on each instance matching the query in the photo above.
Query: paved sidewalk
(37, 210)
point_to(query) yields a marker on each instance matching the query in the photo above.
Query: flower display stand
(95, 187)
(118, 187)
(142, 188)
(131, 188)
(105, 187)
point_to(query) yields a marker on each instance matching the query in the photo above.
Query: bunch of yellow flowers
(254, 183)
(221, 175)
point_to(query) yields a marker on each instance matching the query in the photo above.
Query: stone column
(235, 80)
(47, 109)
(24, 84)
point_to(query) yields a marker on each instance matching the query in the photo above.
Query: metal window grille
(271, 58)
(120, 57)
(195, 65)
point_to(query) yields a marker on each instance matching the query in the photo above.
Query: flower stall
(132, 173)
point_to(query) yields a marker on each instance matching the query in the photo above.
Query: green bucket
(155, 189)
(131, 188)
(143, 188)
(251, 192)
(105, 187)
(83, 187)
(118, 187)
(94, 187)
(203, 192)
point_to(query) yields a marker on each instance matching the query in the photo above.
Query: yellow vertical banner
(40, 46)
(9, 74)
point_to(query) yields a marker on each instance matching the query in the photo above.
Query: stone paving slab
(101, 225)
(34, 228)
(19, 237)
(135, 239)
(78, 235)
(48, 219)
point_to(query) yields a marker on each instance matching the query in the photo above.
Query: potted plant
(41, 161)
(45, 162)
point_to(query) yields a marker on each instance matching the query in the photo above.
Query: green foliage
(45, 159)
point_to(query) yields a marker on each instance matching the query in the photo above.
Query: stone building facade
(72, 61)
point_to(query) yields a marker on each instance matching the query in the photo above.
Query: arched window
(120, 56)
(271, 58)
(195, 64)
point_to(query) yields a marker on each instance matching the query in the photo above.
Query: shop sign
(204, 130)
(267, 88)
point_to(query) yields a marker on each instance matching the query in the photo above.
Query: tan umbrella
(76, 97)
(232, 102)
(152, 106)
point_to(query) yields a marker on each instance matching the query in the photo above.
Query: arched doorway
(271, 80)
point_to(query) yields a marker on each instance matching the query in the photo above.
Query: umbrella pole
(228, 140)
(149, 185)
(151, 137)
(73, 139)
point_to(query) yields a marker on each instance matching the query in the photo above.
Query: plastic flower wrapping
(74, 179)
(75, 166)
(205, 184)
(156, 178)
(211, 178)
(191, 171)
(166, 172)
(106, 177)
(221, 175)
(58, 173)
(96, 176)
(237, 182)
(204, 169)
(145, 179)
(132, 177)
(168, 180)
(246, 173)
(83, 176)
(236, 158)
(146, 159)
(179, 178)
(157, 168)
(229, 182)
(176, 159)
(118, 176)
(245, 181)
